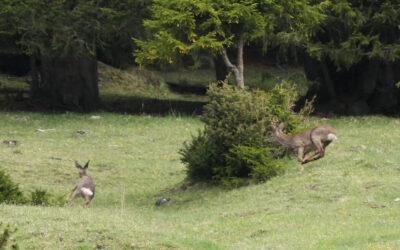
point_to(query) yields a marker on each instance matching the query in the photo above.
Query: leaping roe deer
(85, 187)
(315, 139)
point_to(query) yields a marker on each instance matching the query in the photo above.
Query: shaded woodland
(350, 50)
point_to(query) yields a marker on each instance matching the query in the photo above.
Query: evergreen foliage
(353, 30)
(355, 57)
(235, 142)
(9, 191)
(56, 28)
(5, 238)
(40, 197)
(244, 162)
(127, 22)
(189, 27)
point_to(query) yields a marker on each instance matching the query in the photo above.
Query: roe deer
(85, 186)
(315, 139)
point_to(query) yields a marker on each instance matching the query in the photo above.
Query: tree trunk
(328, 81)
(34, 78)
(238, 69)
(69, 83)
(386, 96)
(240, 78)
(221, 70)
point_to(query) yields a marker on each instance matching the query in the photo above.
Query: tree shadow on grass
(187, 89)
(140, 105)
(114, 103)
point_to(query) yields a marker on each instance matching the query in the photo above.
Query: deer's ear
(281, 126)
(86, 165)
(77, 165)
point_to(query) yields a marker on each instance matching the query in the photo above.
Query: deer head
(82, 170)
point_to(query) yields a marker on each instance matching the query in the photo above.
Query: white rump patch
(87, 191)
(331, 137)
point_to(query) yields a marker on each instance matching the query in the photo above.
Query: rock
(46, 130)
(11, 142)
(161, 201)
(83, 132)
(397, 200)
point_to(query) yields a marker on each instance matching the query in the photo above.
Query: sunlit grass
(136, 83)
(12, 83)
(345, 200)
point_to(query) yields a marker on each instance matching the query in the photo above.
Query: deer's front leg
(300, 152)
(72, 191)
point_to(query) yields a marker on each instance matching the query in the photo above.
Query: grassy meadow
(345, 200)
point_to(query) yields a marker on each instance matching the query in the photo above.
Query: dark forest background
(350, 50)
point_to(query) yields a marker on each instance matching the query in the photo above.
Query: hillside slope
(344, 201)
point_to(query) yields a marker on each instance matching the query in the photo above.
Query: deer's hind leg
(320, 152)
(77, 196)
(88, 199)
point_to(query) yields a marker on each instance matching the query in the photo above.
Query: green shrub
(247, 163)
(253, 162)
(59, 200)
(5, 238)
(9, 191)
(199, 156)
(239, 117)
(282, 99)
(40, 197)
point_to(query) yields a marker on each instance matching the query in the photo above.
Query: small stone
(11, 142)
(83, 132)
(46, 130)
(161, 201)
(397, 200)
(95, 117)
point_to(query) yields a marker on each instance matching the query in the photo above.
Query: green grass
(134, 84)
(137, 83)
(9, 85)
(342, 201)
(12, 83)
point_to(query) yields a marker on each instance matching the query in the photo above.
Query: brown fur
(84, 182)
(315, 139)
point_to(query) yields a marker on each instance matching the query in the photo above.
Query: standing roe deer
(315, 139)
(85, 186)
